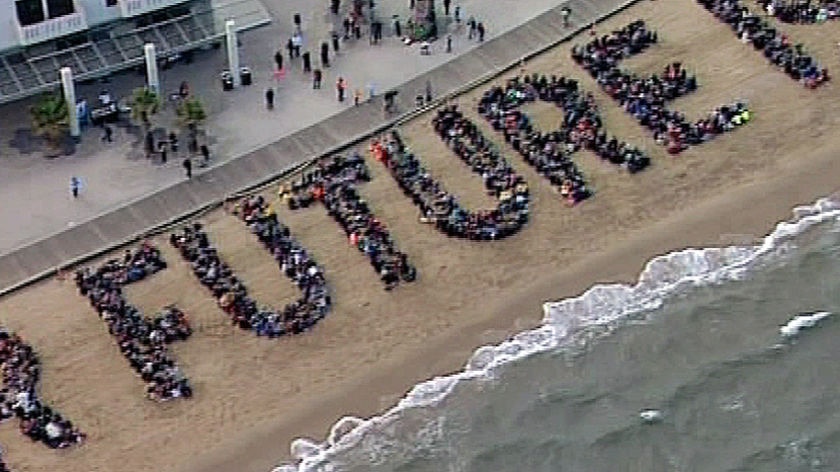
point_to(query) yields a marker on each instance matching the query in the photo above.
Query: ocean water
(716, 360)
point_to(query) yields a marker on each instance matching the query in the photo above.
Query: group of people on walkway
(333, 183)
(807, 12)
(230, 292)
(442, 208)
(645, 98)
(777, 47)
(19, 397)
(141, 340)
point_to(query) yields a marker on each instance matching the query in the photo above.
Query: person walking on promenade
(269, 98)
(448, 43)
(481, 31)
(340, 86)
(357, 97)
(458, 15)
(188, 167)
(75, 186)
(316, 79)
(471, 24)
(446, 4)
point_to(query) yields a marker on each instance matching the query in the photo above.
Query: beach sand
(254, 395)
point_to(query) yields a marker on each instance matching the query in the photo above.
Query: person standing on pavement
(307, 63)
(278, 59)
(397, 28)
(458, 15)
(269, 98)
(446, 4)
(472, 26)
(290, 46)
(316, 79)
(481, 31)
(335, 42)
(188, 167)
(325, 54)
(448, 43)
(566, 12)
(347, 24)
(108, 137)
(340, 86)
(173, 141)
(297, 43)
(75, 186)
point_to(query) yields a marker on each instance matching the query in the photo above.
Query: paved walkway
(117, 173)
(41, 197)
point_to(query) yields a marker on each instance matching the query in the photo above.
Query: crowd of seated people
(230, 292)
(141, 340)
(645, 98)
(441, 208)
(19, 396)
(333, 182)
(550, 152)
(807, 12)
(777, 47)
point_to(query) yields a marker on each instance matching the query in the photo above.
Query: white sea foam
(800, 322)
(662, 277)
(651, 416)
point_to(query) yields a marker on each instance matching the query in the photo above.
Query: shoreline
(743, 213)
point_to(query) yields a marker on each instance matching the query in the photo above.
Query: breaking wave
(601, 305)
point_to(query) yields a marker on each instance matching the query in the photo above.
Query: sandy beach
(254, 395)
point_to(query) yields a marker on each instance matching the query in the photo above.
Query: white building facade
(28, 22)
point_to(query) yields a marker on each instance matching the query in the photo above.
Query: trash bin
(245, 75)
(227, 81)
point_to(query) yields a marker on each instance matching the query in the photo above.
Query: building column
(69, 90)
(232, 52)
(152, 80)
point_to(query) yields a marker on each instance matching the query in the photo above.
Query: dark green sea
(718, 360)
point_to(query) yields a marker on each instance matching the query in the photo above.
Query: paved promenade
(177, 197)
(117, 173)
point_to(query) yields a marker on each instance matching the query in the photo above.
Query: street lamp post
(69, 90)
(152, 79)
(232, 52)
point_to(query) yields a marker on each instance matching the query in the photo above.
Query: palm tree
(144, 103)
(50, 118)
(191, 114)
